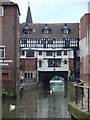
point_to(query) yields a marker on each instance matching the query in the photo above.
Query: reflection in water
(42, 104)
(6, 112)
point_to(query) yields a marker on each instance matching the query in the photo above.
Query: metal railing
(82, 96)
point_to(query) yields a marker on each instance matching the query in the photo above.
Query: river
(39, 103)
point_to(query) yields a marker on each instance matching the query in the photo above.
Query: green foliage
(7, 92)
(71, 91)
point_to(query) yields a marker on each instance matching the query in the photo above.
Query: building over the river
(85, 48)
(46, 47)
(9, 43)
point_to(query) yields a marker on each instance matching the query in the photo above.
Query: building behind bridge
(48, 47)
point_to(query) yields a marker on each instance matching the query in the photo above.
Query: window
(78, 53)
(50, 41)
(22, 52)
(65, 52)
(40, 63)
(31, 75)
(25, 75)
(28, 75)
(50, 63)
(2, 51)
(40, 52)
(59, 53)
(46, 30)
(54, 63)
(1, 11)
(67, 43)
(65, 61)
(27, 30)
(29, 53)
(48, 53)
(57, 62)
(65, 29)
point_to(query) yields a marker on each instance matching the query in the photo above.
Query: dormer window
(65, 29)
(46, 30)
(27, 30)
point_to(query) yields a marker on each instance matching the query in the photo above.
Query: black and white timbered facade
(49, 43)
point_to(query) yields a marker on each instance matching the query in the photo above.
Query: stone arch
(45, 77)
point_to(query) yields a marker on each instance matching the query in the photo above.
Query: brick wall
(71, 64)
(84, 49)
(10, 38)
(85, 68)
(85, 20)
(28, 64)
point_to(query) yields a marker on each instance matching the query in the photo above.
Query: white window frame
(2, 51)
(28, 75)
(1, 11)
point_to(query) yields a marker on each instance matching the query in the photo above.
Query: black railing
(82, 96)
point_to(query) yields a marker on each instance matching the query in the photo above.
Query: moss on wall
(72, 108)
(71, 91)
(77, 112)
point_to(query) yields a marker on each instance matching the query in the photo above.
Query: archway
(46, 76)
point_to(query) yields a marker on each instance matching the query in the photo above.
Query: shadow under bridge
(46, 76)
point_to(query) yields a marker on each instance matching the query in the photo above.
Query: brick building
(9, 43)
(85, 48)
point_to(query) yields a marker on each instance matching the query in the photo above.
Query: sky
(53, 11)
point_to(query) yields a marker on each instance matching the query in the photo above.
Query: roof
(29, 16)
(56, 30)
(10, 4)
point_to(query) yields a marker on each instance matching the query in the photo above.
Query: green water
(38, 103)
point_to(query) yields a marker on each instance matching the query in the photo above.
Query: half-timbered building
(48, 47)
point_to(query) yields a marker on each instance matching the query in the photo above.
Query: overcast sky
(53, 11)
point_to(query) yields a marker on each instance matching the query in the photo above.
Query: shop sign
(5, 62)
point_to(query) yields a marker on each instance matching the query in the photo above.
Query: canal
(39, 103)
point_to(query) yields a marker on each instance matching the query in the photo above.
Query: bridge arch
(46, 76)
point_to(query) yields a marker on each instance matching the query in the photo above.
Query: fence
(82, 97)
